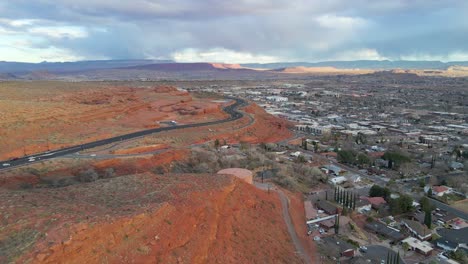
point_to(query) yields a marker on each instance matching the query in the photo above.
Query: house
(417, 229)
(456, 165)
(333, 169)
(363, 206)
(337, 246)
(355, 178)
(440, 190)
(327, 224)
(337, 180)
(422, 247)
(328, 207)
(459, 236)
(376, 202)
(381, 229)
(295, 154)
(446, 245)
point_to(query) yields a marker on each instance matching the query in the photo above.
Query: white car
(93, 155)
(6, 164)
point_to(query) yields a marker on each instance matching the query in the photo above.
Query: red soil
(297, 213)
(149, 219)
(142, 149)
(34, 120)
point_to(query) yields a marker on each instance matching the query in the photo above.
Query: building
(333, 169)
(422, 247)
(363, 206)
(355, 178)
(381, 229)
(440, 190)
(338, 180)
(276, 98)
(328, 207)
(376, 202)
(417, 229)
(446, 245)
(339, 247)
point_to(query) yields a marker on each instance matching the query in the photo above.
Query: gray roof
(384, 230)
(459, 236)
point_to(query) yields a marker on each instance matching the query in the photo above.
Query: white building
(277, 98)
(338, 180)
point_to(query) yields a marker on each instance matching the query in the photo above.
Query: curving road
(232, 110)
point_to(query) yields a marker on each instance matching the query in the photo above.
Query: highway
(232, 110)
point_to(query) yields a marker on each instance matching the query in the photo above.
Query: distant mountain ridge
(62, 67)
(362, 64)
(169, 70)
(22, 67)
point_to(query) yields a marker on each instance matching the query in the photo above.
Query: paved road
(449, 209)
(377, 253)
(234, 114)
(287, 219)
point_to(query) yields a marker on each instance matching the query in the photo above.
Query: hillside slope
(145, 218)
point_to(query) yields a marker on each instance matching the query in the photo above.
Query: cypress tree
(428, 218)
(326, 195)
(354, 201)
(335, 194)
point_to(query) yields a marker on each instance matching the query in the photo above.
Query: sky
(233, 31)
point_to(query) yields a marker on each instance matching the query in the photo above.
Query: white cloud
(454, 56)
(25, 54)
(220, 55)
(341, 22)
(360, 54)
(58, 32)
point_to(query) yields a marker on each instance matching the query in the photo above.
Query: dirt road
(287, 219)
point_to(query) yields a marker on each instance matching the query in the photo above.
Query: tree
(405, 246)
(88, 175)
(109, 173)
(395, 158)
(426, 204)
(337, 224)
(363, 159)
(428, 218)
(401, 205)
(216, 144)
(459, 255)
(361, 138)
(304, 144)
(346, 156)
(377, 191)
(429, 192)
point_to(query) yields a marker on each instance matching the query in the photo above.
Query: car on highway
(93, 155)
(6, 164)
(31, 159)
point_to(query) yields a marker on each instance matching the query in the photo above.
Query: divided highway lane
(232, 110)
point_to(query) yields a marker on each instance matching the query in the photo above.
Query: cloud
(220, 55)
(360, 54)
(238, 30)
(341, 22)
(59, 32)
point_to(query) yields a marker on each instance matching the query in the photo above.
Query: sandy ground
(145, 218)
(38, 116)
